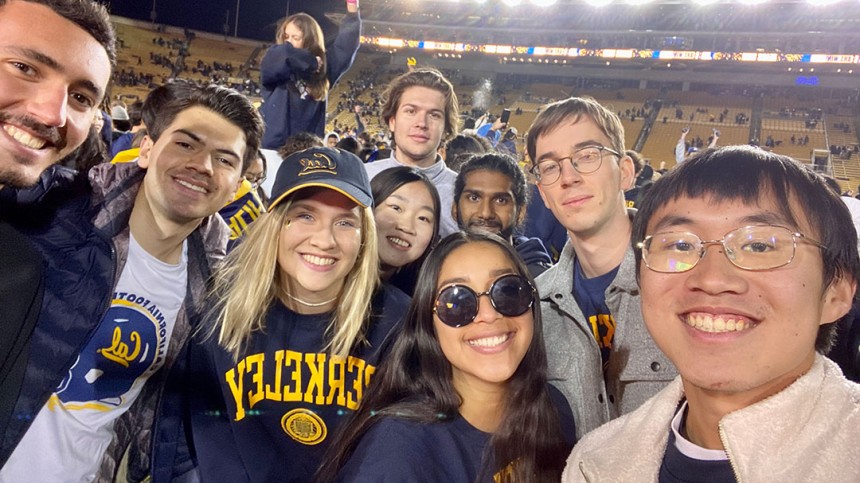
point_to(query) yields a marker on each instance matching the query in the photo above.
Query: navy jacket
(533, 253)
(284, 110)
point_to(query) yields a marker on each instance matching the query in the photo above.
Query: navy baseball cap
(325, 167)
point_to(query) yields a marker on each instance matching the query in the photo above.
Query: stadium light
(543, 3)
(512, 3)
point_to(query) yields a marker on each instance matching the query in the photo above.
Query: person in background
(105, 128)
(745, 261)
(298, 72)
(350, 144)
(407, 212)
(683, 150)
(332, 139)
(135, 119)
(463, 395)
(296, 142)
(643, 174)
(491, 195)
(540, 223)
(492, 130)
(246, 205)
(299, 142)
(421, 111)
(121, 121)
(297, 327)
(508, 144)
(459, 149)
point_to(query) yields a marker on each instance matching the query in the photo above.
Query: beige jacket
(809, 432)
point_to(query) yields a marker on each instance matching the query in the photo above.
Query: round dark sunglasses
(457, 305)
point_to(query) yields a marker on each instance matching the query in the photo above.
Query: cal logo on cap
(318, 163)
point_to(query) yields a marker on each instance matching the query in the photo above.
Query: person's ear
(837, 299)
(146, 144)
(628, 172)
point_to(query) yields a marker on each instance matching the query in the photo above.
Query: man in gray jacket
(600, 354)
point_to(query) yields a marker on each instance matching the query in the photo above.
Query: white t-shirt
(71, 433)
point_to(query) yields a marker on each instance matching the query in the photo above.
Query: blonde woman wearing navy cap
(297, 327)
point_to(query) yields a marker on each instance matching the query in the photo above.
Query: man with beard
(126, 255)
(55, 63)
(57, 57)
(491, 195)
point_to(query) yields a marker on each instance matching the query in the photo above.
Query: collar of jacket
(792, 420)
(560, 276)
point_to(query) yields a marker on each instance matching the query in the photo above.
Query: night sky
(257, 18)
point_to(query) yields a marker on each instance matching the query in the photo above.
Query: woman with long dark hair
(297, 73)
(463, 396)
(407, 210)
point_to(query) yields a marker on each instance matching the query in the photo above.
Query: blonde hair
(313, 41)
(249, 281)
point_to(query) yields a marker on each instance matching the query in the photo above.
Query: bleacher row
(782, 118)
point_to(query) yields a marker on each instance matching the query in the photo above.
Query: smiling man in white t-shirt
(127, 256)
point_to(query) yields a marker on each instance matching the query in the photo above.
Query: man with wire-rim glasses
(600, 354)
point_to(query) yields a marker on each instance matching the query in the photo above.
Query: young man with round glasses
(746, 261)
(600, 354)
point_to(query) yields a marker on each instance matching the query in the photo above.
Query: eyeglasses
(457, 305)
(758, 247)
(584, 160)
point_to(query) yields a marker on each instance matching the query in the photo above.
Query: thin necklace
(310, 304)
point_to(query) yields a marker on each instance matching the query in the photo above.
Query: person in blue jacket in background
(297, 74)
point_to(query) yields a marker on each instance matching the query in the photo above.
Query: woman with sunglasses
(298, 330)
(407, 213)
(463, 396)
